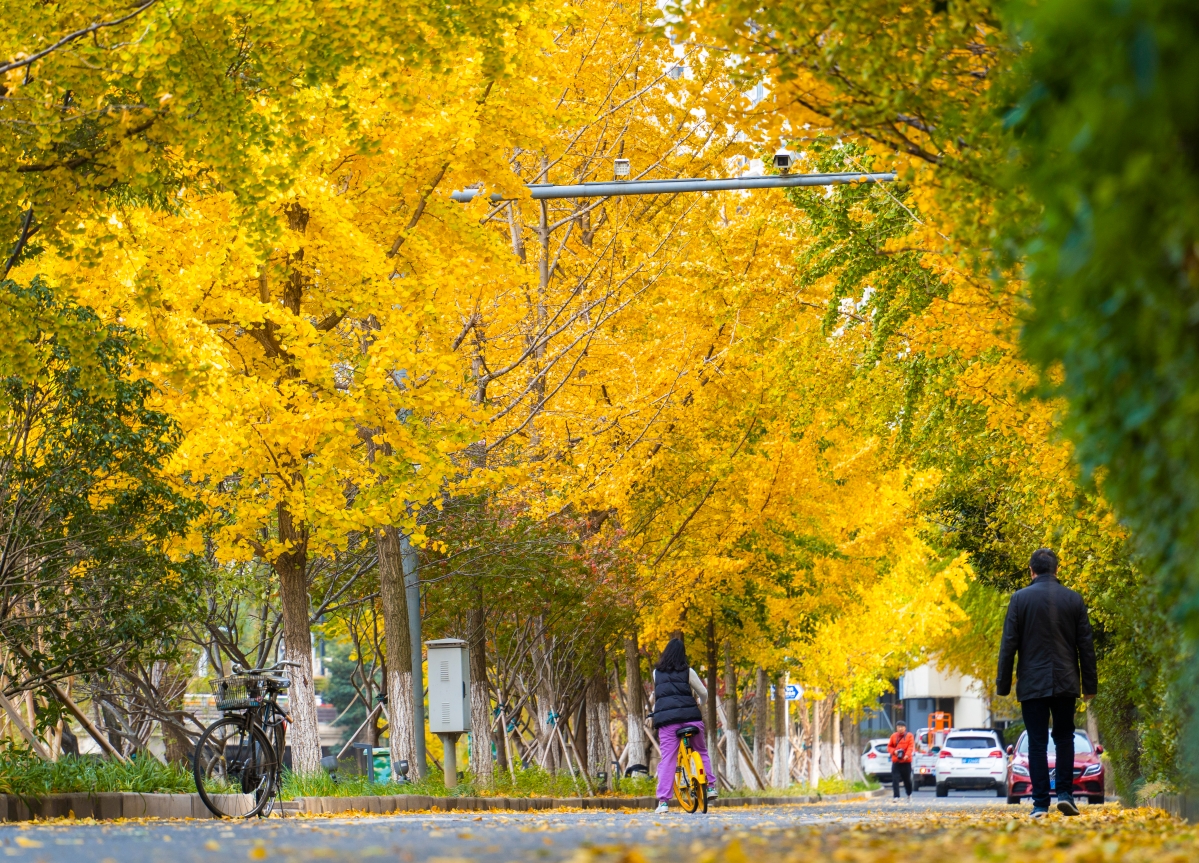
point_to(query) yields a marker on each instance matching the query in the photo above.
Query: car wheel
(1001, 790)
(1096, 800)
(942, 789)
(1014, 801)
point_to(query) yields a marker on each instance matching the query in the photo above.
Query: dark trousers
(1036, 713)
(901, 771)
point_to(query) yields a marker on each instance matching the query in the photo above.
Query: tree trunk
(710, 721)
(501, 729)
(291, 566)
(781, 772)
(635, 695)
(838, 754)
(805, 729)
(547, 705)
(396, 634)
(580, 728)
(482, 766)
(814, 766)
(179, 748)
(599, 715)
(732, 762)
(761, 722)
(1092, 722)
(852, 735)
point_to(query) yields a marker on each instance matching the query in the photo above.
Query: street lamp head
(621, 168)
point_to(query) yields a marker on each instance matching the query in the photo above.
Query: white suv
(971, 758)
(876, 763)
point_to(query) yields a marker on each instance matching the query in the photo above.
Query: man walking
(1048, 628)
(901, 746)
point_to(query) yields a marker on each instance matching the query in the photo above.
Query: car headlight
(1019, 771)
(1092, 769)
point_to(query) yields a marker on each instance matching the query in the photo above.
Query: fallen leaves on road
(1098, 836)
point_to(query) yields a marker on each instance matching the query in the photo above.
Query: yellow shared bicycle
(690, 781)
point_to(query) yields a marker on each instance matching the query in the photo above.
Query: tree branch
(71, 37)
(26, 233)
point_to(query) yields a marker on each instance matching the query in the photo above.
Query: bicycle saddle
(687, 731)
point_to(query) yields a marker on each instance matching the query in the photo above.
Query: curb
(109, 806)
(1182, 806)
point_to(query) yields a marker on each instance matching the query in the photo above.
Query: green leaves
(1114, 283)
(87, 571)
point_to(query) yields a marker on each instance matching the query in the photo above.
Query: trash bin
(381, 764)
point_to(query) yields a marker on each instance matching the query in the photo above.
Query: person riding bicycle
(678, 694)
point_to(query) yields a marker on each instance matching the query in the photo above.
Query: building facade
(927, 689)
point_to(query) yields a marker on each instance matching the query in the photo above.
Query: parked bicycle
(242, 754)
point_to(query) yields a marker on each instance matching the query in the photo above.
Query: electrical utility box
(449, 686)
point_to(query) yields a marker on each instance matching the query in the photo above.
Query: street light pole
(624, 188)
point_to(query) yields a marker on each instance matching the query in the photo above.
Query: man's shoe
(662, 808)
(1065, 805)
(1038, 812)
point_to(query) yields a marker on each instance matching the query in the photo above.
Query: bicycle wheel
(683, 781)
(699, 781)
(234, 758)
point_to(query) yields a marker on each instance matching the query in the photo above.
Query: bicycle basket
(238, 692)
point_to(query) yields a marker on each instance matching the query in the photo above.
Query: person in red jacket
(901, 746)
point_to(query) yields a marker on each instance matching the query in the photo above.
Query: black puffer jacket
(673, 700)
(1047, 626)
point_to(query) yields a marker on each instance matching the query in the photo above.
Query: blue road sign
(793, 691)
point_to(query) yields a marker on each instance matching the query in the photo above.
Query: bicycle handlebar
(266, 669)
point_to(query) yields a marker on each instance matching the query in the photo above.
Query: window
(1082, 745)
(955, 743)
(881, 749)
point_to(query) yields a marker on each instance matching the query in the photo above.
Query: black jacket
(673, 700)
(1047, 626)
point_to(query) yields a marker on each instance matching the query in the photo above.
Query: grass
(525, 782)
(26, 775)
(342, 785)
(827, 786)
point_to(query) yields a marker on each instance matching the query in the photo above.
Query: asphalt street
(486, 837)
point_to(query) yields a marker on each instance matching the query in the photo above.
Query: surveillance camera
(783, 160)
(621, 168)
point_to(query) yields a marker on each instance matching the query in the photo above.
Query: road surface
(486, 837)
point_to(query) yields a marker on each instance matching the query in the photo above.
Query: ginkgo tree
(755, 418)
(314, 397)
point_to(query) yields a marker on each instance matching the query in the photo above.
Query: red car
(1088, 769)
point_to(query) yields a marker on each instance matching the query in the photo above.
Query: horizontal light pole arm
(624, 188)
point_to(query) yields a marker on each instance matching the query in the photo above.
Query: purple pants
(668, 741)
